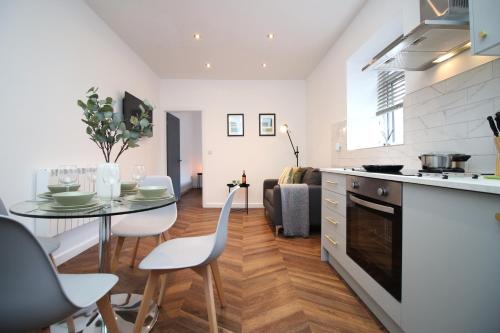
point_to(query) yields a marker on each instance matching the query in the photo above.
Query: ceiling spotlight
(264, 65)
(270, 35)
(208, 65)
(197, 36)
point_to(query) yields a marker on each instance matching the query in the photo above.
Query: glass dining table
(125, 306)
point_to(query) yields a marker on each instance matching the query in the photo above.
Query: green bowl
(73, 198)
(62, 188)
(128, 186)
(152, 191)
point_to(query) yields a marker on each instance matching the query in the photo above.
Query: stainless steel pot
(436, 161)
(443, 160)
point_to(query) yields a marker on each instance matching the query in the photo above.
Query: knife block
(497, 143)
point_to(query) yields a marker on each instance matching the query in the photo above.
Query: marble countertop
(455, 182)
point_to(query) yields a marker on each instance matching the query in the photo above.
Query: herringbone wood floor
(271, 284)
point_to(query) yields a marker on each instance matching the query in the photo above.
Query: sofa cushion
(285, 175)
(312, 177)
(268, 195)
(298, 175)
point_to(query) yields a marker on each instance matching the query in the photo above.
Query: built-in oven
(374, 229)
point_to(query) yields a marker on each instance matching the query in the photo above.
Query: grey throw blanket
(295, 209)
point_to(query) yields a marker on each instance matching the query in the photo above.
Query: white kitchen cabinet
(451, 261)
(485, 26)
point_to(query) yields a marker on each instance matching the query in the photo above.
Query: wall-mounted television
(131, 108)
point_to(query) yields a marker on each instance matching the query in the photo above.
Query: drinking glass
(139, 173)
(68, 175)
(110, 176)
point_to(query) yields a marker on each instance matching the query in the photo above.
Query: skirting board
(235, 205)
(388, 323)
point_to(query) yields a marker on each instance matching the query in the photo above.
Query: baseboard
(235, 205)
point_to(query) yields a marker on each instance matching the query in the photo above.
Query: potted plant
(107, 128)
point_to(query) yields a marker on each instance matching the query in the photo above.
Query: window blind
(390, 91)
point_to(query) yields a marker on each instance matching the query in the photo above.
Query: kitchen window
(390, 96)
(374, 98)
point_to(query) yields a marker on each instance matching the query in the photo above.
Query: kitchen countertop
(460, 183)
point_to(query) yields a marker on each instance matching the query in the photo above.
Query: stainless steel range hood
(442, 33)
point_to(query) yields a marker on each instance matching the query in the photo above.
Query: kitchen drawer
(333, 223)
(333, 201)
(333, 182)
(334, 245)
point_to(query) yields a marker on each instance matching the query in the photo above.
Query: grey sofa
(272, 199)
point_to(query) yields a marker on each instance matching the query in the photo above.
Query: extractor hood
(442, 33)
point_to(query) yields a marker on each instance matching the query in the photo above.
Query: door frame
(164, 145)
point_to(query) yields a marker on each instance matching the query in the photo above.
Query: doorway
(184, 151)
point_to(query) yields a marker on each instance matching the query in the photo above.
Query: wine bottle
(244, 178)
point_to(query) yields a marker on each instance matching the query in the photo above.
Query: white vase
(104, 190)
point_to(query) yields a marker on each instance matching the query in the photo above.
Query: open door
(174, 153)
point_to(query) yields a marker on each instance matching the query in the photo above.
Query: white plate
(140, 198)
(50, 208)
(91, 203)
(46, 195)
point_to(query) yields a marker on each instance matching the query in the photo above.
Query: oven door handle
(372, 205)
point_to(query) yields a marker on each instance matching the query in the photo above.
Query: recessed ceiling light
(208, 65)
(264, 65)
(197, 36)
(270, 35)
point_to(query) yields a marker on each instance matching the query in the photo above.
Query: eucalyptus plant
(106, 127)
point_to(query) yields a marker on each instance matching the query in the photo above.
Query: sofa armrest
(315, 204)
(270, 183)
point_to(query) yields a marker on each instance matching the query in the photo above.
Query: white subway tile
(421, 96)
(496, 68)
(466, 79)
(479, 128)
(470, 112)
(485, 90)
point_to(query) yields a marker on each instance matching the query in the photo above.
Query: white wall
(224, 158)
(326, 89)
(190, 146)
(51, 52)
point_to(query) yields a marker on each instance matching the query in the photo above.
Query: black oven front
(374, 229)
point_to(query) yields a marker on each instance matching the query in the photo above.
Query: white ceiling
(233, 35)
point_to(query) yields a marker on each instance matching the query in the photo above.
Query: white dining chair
(198, 253)
(34, 295)
(49, 244)
(154, 223)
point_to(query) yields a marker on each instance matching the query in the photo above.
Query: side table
(245, 186)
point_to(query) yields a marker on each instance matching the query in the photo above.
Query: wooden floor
(271, 284)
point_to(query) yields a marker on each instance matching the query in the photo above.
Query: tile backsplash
(449, 116)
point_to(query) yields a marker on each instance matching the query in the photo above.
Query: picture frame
(235, 124)
(267, 124)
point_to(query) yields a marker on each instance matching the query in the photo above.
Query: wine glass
(139, 173)
(110, 176)
(68, 175)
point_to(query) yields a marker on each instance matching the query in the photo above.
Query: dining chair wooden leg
(214, 265)
(53, 261)
(44, 330)
(146, 299)
(163, 287)
(158, 239)
(134, 254)
(165, 235)
(107, 314)
(118, 250)
(70, 322)
(209, 298)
